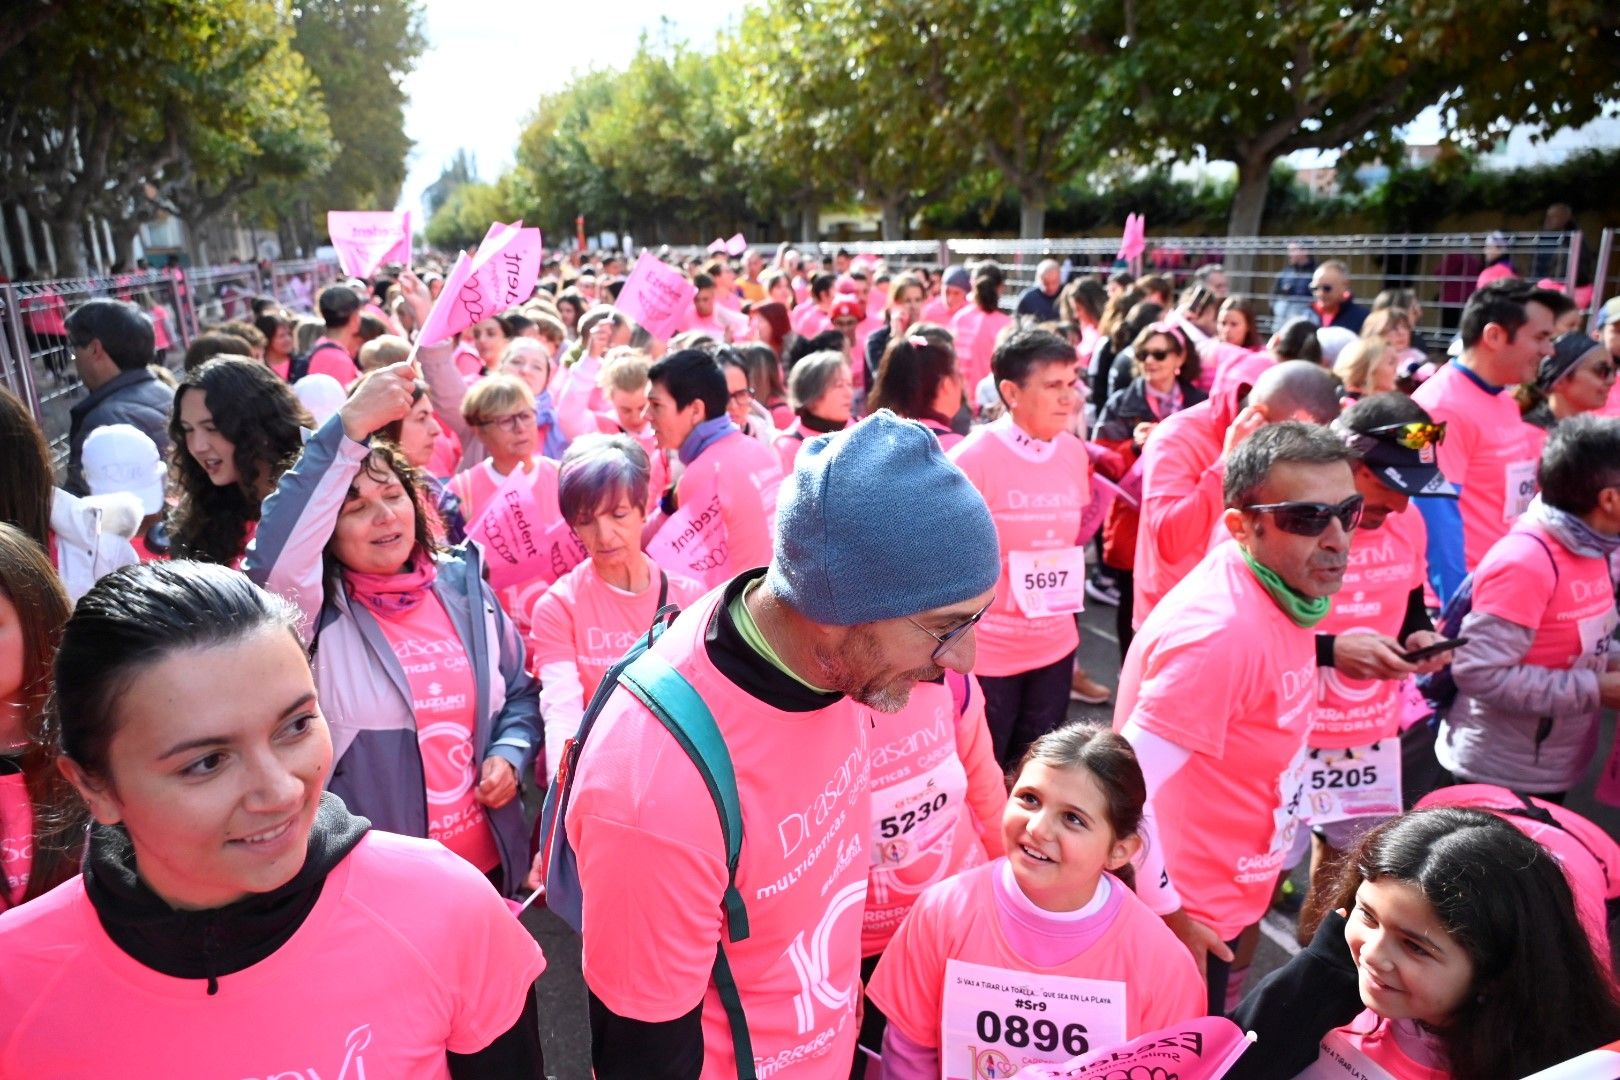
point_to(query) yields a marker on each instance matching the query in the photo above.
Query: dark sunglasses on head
(1311, 518)
(1158, 354)
(1414, 436)
(1323, 288)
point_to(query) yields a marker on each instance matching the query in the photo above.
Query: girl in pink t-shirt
(918, 378)
(1036, 478)
(1045, 954)
(33, 609)
(1470, 959)
(977, 324)
(234, 919)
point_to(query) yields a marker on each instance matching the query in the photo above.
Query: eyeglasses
(741, 397)
(951, 636)
(1158, 354)
(512, 424)
(1415, 435)
(1312, 518)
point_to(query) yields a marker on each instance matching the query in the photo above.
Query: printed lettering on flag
(656, 296)
(1201, 1049)
(367, 239)
(499, 275)
(692, 541)
(517, 544)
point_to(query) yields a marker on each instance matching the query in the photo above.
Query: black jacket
(131, 397)
(1293, 1007)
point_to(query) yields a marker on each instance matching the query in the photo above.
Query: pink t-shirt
(1571, 608)
(730, 492)
(377, 982)
(444, 700)
(975, 332)
(1366, 1049)
(1181, 502)
(327, 357)
(1219, 670)
(948, 439)
(16, 836)
(937, 797)
(1611, 407)
(971, 919)
(653, 869)
(807, 319)
(477, 485)
(937, 313)
(585, 621)
(1386, 564)
(1487, 452)
(1035, 492)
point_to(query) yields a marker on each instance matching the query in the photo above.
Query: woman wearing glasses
(1036, 478)
(1157, 391)
(1575, 379)
(420, 673)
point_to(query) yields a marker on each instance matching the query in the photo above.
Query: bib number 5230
(900, 824)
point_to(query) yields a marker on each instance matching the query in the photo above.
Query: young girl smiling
(1044, 954)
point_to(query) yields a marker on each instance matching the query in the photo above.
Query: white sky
(488, 62)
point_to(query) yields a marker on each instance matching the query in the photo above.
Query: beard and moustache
(855, 670)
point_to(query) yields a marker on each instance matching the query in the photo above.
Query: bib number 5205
(1356, 776)
(1044, 1035)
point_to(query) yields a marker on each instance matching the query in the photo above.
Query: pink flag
(692, 541)
(733, 247)
(656, 296)
(501, 274)
(1201, 1049)
(519, 544)
(367, 239)
(1134, 241)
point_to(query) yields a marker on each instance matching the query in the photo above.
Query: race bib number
(1519, 486)
(996, 1021)
(1290, 803)
(910, 817)
(1363, 781)
(1597, 636)
(1048, 582)
(1340, 1059)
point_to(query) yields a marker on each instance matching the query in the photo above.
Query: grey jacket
(1520, 726)
(364, 694)
(131, 397)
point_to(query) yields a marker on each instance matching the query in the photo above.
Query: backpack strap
(668, 696)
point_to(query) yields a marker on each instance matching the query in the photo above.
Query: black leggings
(1021, 708)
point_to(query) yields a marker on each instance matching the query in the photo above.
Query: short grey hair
(1250, 465)
(810, 377)
(598, 471)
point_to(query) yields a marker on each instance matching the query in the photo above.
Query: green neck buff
(1306, 611)
(749, 629)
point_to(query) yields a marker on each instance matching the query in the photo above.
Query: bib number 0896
(900, 824)
(1045, 1035)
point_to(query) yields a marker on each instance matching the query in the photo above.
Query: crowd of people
(780, 617)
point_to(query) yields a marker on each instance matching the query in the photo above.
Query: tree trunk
(810, 222)
(1032, 215)
(124, 233)
(894, 222)
(67, 239)
(1248, 211)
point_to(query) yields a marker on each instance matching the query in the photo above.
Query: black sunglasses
(1312, 518)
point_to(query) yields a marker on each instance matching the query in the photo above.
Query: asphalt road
(564, 1030)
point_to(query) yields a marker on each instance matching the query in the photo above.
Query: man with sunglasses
(1378, 617)
(1506, 330)
(1333, 303)
(884, 561)
(1218, 689)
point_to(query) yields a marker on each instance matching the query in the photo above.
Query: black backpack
(298, 367)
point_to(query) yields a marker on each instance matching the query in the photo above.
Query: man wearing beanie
(953, 293)
(884, 558)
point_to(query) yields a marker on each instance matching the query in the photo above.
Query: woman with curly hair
(236, 428)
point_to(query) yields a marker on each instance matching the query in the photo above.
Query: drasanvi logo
(353, 1066)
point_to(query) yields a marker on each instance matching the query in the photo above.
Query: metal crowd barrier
(37, 365)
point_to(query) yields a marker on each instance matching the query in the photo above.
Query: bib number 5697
(1046, 579)
(1044, 1035)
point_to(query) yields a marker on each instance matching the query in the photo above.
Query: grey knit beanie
(876, 523)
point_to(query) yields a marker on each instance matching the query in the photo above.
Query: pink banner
(1201, 1049)
(517, 543)
(1134, 240)
(367, 239)
(500, 275)
(733, 247)
(656, 296)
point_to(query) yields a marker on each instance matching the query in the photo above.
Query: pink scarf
(389, 595)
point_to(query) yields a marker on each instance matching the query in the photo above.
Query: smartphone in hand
(1428, 652)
